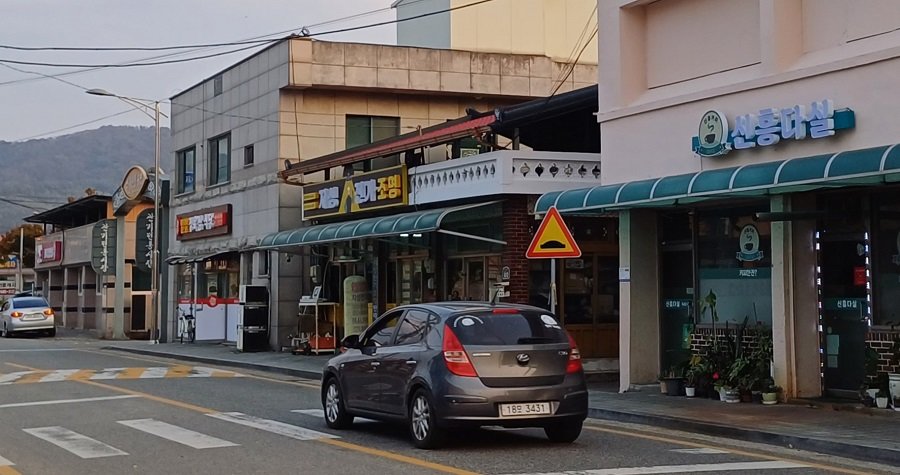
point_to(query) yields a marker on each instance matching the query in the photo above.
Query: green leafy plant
(709, 303)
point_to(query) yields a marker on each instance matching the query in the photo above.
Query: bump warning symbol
(553, 239)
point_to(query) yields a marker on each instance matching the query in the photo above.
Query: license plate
(33, 316)
(524, 409)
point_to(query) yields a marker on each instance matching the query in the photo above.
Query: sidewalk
(842, 430)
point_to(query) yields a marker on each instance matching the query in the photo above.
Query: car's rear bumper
(20, 325)
(466, 401)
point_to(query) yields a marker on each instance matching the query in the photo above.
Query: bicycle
(187, 326)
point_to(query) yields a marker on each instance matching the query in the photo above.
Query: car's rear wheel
(336, 415)
(564, 432)
(423, 426)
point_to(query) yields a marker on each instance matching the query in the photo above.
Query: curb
(859, 452)
(316, 375)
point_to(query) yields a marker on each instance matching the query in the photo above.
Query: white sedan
(26, 314)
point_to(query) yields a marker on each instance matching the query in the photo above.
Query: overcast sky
(34, 106)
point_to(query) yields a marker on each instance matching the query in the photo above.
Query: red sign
(860, 279)
(50, 252)
(204, 223)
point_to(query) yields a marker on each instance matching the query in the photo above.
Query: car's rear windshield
(29, 302)
(509, 328)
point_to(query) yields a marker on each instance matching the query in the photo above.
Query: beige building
(296, 100)
(748, 149)
(558, 29)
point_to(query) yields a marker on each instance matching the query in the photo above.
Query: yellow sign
(553, 239)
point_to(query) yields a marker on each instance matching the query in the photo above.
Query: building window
(262, 259)
(248, 156)
(219, 160)
(363, 130)
(185, 162)
(217, 85)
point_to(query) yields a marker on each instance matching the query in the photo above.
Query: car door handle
(412, 362)
(375, 363)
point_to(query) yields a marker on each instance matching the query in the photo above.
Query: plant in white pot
(770, 394)
(881, 399)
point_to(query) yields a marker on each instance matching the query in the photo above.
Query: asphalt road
(69, 407)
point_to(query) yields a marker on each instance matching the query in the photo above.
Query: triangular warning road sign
(553, 239)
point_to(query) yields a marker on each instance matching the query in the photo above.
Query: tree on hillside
(9, 243)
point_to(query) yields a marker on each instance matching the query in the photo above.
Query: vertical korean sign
(103, 248)
(143, 252)
(364, 192)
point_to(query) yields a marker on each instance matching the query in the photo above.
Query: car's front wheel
(51, 332)
(336, 415)
(564, 432)
(6, 332)
(423, 422)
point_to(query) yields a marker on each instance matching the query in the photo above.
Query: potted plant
(690, 383)
(894, 378)
(674, 379)
(867, 396)
(881, 399)
(662, 383)
(770, 394)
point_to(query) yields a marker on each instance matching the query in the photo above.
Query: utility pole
(20, 279)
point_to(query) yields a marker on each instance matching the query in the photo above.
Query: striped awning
(857, 167)
(394, 225)
(175, 260)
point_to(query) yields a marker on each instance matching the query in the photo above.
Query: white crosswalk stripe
(58, 375)
(5, 462)
(319, 413)
(177, 434)
(694, 468)
(80, 445)
(108, 373)
(154, 373)
(275, 427)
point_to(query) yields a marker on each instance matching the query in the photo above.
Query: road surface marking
(80, 445)
(333, 442)
(310, 412)
(700, 451)
(5, 462)
(26, 377)
(65, 401)
(177, 434)
(641, 435)
(35, 350)
(694, 468)
(275, 427)
(321, 414)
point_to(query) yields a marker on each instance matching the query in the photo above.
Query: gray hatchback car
(442, 365)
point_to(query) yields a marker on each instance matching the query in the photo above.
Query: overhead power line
(76, 125)
(306, 33)
(130, 65)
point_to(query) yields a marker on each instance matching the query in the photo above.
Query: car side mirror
(350, 341)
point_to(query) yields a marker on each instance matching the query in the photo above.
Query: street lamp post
(142, 105)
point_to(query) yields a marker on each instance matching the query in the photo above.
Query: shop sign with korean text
(204, 223)
(143, 242)
(364, 192)
(103, 247)
(769, 126)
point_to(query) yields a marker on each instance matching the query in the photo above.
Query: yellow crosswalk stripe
(176, 371)
(130, 373)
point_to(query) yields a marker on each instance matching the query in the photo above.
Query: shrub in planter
(881, 399)
(770, 394)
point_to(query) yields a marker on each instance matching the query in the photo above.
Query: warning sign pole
(553, 286)
(552, 241)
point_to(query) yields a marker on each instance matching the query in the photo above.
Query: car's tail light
(574, 365)
(507, 311)
(455, 355)
(48, 312)
(16, 314)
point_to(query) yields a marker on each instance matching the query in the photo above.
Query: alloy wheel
(421, 418)
(332, 402)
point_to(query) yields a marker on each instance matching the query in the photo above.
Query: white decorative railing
(503, 172)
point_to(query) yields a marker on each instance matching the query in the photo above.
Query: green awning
(385, 226)
(857, 167)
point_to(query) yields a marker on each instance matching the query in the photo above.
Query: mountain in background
(43, 173)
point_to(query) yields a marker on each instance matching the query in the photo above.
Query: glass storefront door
(843, 264)
(471, 278)
(842, 260)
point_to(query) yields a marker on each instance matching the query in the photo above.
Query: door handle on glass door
(411, 362)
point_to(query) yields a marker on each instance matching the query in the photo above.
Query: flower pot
(769, 398)
(881, 402)
(673, 386)
(894, 385)
(662, 386)
(757, 397)
(722, 394)
(732, 396)
(746, 396)
(690, 391)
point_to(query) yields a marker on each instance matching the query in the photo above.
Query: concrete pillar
(639, 314)
(118, 323)
(782, 300)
